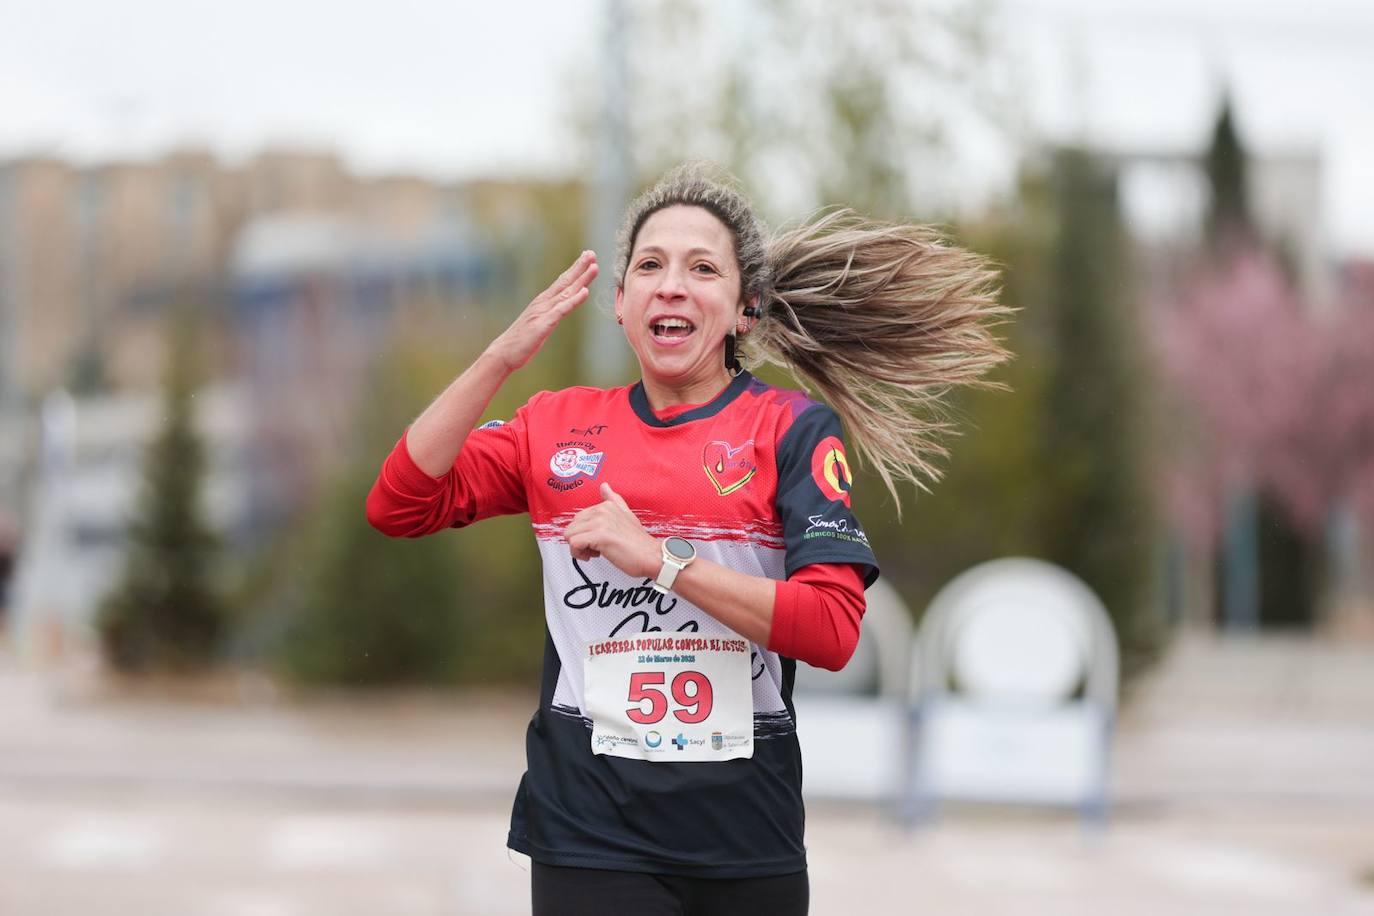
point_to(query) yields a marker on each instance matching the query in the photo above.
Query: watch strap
(667, 575)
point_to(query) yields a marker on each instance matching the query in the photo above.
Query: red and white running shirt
(759, 481)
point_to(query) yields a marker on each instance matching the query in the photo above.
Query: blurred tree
(814, 103)
(1228, 228)
(1290, 567)
(1228, 210)
(1239, 357)
(1240, 345)
(165, 614)
(88, 373)
(874, 95)
(1093, 461)
(1267, 566)
(375, 611)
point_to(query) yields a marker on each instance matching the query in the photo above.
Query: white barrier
(1013, 692)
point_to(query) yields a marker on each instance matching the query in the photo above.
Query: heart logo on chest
(728, 466)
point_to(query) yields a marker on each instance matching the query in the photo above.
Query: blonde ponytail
(882, 320)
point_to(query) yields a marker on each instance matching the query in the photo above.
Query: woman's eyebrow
(691, 253)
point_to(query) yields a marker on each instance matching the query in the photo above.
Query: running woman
(696, 528)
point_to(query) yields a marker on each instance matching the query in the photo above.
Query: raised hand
(519, 342)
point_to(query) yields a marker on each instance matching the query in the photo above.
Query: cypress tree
(1097, 519)
(165, 614)
(1228, 213)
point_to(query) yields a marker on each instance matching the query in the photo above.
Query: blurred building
(93, 255)
(302, 271)
(90, 252)
(314, 302)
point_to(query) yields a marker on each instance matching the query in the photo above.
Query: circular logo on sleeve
(830, 469)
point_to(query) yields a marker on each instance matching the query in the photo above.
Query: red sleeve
(816, 614)
(486, 479)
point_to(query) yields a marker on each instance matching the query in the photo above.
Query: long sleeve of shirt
(485, 481)
(817, 613)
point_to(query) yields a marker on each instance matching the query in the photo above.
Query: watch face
(680, 548)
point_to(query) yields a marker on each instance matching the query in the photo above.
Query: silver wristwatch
(678, 554)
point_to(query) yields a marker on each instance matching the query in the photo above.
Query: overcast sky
(465, 89)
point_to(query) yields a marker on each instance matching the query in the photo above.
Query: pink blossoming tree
(1265, 394)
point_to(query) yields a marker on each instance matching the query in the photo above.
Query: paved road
(97, 852)
(1245, 785)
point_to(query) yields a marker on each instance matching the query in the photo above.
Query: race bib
(670, 698)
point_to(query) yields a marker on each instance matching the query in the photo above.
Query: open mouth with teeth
(671, 329)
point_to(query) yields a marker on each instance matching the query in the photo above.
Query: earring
(731, 363)
(619, 319)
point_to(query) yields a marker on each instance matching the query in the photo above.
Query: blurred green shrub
(372, 611)
(365, 610)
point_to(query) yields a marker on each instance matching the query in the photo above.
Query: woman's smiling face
(680, 297)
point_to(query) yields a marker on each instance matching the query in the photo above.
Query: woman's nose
(672, 285)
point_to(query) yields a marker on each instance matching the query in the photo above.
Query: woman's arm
(742, 602)
(812, 618)
(419, 489)
(818, 614)
(437, 435)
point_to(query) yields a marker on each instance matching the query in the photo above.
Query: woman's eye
(648, 264)
(704, 268)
